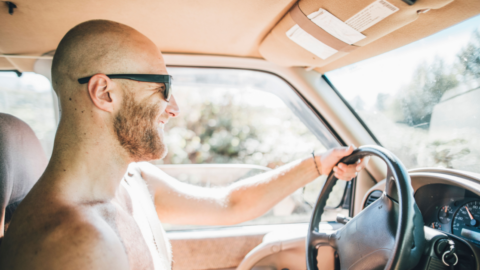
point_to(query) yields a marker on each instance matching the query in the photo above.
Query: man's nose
(172, 108)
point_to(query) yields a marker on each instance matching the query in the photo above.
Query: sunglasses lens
(168, 91)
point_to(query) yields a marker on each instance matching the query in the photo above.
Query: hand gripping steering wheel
(388, 234)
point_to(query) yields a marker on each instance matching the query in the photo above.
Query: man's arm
(181, 203)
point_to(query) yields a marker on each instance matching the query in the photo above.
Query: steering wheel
(388, 234)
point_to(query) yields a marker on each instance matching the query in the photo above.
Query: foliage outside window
(231, 126)
(29, 97)
(421, 101)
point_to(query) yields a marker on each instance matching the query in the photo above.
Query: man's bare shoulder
(68, 238)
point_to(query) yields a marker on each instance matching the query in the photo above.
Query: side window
(234, 124)
(30, 98)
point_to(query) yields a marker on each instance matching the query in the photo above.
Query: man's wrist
(308, 170)
(316, 163)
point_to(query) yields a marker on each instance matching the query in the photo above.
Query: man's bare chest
(139, 255)
(119, 215)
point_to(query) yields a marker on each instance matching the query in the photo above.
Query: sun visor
(316, 32)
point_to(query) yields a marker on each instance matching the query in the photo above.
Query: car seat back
(22, 162)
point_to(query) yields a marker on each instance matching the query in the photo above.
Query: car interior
(263, 83)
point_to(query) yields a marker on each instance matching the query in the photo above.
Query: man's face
(139, 127)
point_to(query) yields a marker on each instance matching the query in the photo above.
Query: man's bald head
(101, 46)
(125, 113)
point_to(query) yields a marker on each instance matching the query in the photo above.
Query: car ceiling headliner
(209, 27)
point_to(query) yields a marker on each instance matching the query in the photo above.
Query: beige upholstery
(212, 252)
(215, 27)
(326, 258)
(234, 27)
(278, 48)
(273, 243)
(22, 162)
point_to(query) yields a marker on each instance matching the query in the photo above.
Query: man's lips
(162, 119)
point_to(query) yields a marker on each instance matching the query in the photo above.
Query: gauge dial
(466, 222)
(436, 225)
(445, 214)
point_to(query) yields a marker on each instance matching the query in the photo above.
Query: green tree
(220, 126)
(382, 100)
(357, 103)
(430, 81)
(469, 57)
(219, 134)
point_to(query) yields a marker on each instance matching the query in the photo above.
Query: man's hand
(329, 159)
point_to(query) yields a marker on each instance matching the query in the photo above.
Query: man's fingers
(343, 152)
(338, 169)
(348, 168)
(346, 177)
(347, 172)
(344, 172)
(362, 164)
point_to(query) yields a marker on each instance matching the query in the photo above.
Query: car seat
(22, 162)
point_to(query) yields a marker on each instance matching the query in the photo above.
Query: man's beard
(135, 126)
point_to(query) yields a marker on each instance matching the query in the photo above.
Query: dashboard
(449, 201)
(451, 209)
(450, 205)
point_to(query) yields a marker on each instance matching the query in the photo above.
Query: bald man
(91, 209)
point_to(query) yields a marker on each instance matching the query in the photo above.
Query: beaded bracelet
(315, 161)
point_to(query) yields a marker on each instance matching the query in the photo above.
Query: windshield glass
(421, 101)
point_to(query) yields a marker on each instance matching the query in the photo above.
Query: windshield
(421, 101)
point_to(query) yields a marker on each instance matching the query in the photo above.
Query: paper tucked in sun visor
(373, 19)
(332, 26)
(371, 15)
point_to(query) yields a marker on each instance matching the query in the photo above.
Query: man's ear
(100, 90)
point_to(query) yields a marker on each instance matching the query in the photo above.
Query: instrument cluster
(451, 209)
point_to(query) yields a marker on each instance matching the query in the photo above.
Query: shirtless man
(85, 212)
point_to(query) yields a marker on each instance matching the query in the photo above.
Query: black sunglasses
(165, 79)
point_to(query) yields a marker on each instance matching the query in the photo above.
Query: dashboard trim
(420, 179)
(426, 176)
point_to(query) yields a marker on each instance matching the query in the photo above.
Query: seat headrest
(22, 162)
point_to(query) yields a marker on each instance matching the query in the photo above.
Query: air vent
(373, 197)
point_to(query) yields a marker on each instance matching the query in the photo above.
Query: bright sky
(386, 73)
(249, 87)
(28, 81)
